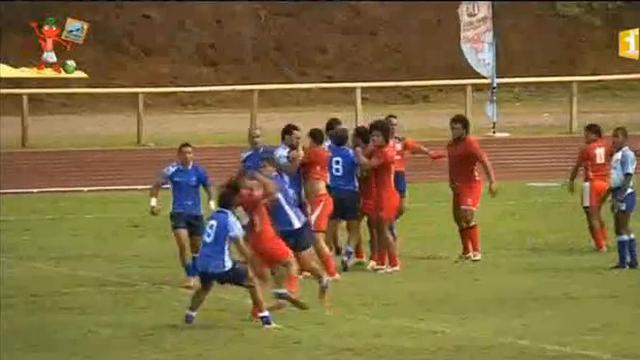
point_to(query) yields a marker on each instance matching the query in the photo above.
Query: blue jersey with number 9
(343, 168)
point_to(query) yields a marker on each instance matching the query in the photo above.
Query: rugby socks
(473, 233)
(329, 264)
(623, 250)
(381, 258)
(394, 261)
(465, 242)
(360, 252)
(633, 252)
(292, 282)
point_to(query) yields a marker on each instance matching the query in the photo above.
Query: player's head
(228, 194)
(619, 137)
(393, 123)
(331, 125)
(361, 136)
(380, 133)
(185, 153)
(316, 137)
(268, 165)
(255, 137)
(592, 132)
(290, 136)
(340, 136)
(459, 126)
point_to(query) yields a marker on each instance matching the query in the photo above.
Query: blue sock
(623, 250)
(187, 270)
(633, 252)
(349, 252)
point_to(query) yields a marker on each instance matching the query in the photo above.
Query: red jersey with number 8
(595, 159)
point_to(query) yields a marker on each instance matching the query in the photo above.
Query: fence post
(140, 119)
(468, 101)
(573, 116)
(24, 140)
(253, 116)
(358, 94)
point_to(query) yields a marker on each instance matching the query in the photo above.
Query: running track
(524, 159)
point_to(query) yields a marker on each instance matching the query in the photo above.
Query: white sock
(192, 313)
(263, 314)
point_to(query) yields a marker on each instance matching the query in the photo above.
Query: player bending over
(292, 225)
(623, 167)
(594, 158)
(315, 173)
(271, 253)
(464, 156)
(387, 198)
(215, 263)
(187, 223)
(345, 193)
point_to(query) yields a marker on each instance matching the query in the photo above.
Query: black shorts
(238, 275)
(194, 224)
(300, 239)
(346, 206)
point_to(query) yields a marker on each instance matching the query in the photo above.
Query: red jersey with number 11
(595, 158)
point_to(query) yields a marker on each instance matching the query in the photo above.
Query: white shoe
(392, 269)
(371, 265)
(476, 256)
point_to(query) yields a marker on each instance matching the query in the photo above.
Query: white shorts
(586, 194)
(49, 57)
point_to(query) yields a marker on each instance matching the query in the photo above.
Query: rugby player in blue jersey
(251, 159)
(343, 173)
(215, 263)
(185, 177)
(288, 157)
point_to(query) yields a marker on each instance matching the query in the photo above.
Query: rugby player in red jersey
(594, 158)
(387, 200)
(315, 174)
(464, 155)
(361, 140)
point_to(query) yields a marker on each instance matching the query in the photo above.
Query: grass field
(92, 276)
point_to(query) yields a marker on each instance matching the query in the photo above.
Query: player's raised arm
(270, 188)
(208, 188)
(416, 148)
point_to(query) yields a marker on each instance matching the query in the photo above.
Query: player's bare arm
(488, 171)
(153, 196)
(367, 163)
(574, 174)
(210, 197)
(270, 188)
(295, 160)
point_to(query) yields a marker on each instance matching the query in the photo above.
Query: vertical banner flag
(478, 44)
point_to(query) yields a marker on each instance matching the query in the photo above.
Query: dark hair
(594, 129)
(383, 127)
(316, 135)
(362, 133)
(228, 193)
(332, 124)
(622, 131)
(461, 120)
(340, 136)
(391, 116)
(184, 145)
(288, 130)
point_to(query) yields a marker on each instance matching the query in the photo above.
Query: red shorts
(387, 210)
(272, 252)
(468, 196)
(593, 193)
(321, 210)
(368, 207)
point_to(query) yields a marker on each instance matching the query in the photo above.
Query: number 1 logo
(628, 46)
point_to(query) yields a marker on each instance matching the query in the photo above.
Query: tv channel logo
(628, 46)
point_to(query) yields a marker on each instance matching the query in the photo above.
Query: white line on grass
(430, 326)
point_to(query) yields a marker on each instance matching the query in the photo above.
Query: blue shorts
(238, 275)
(346, 205)
(627, 204)
(299, 240)
(400, 182)
(194, 224)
